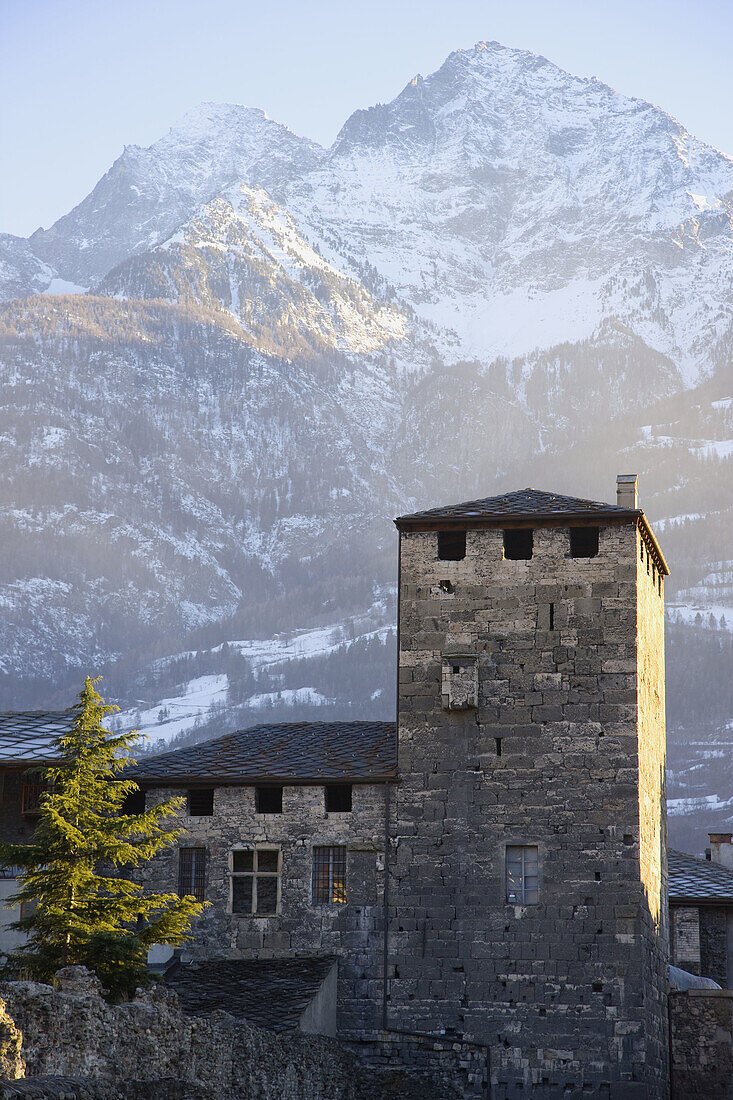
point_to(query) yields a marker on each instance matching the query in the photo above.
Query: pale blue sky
(81, 78)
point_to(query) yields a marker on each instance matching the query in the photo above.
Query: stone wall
(148, 1047)
(702, 1044)
(652, 764)
(700, 940)
(353, 931)
(566, 992)
(714, 944)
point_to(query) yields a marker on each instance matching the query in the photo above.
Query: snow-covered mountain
(519, 206)
(508, 275)
(148, 193)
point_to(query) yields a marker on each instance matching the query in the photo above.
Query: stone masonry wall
(714, 944)
(353, 931)
(563, 990)
(702, 1044)
(74, 1033)
(652, 755)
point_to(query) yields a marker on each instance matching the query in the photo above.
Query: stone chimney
(626, 486)
(721, 849)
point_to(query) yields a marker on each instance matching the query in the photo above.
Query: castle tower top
(535, 508)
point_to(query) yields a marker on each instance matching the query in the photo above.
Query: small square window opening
(134, 803)
(522, 874)
(329, 875)
(269, 800)
(583, 542)
(338, 798)
(518, 544)
(201, 802)
(451, 545)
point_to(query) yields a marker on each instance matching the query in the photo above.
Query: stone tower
(528, 871)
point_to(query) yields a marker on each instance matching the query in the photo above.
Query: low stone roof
(524, 506)
(291, 752)
(693, 879)
(28, 736)
(270, 993)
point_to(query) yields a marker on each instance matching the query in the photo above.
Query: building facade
(529, 876)
(701, 911)
(493, 878)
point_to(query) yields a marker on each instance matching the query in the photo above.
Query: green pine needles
(81, 906)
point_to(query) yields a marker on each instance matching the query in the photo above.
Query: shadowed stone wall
(702, 1044)
(565, 752)
(352, 931)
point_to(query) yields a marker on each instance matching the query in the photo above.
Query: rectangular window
(192, 873)
(451, 545)
(134, 803)
(32, 792)
(338, 798)
(522, 874)
(583, 542)
(256, 881)
(201, 802)
(269, 800)
(518, 544)
(329, 875)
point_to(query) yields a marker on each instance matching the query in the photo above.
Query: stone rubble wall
(76, 1046)
(702, 1043)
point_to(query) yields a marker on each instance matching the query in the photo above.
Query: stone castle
(491, 872)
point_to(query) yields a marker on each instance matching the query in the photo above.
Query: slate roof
(27, 736)
(270, 993)
(693, 879)
(521, 504)
(289, 753)
(526, 505)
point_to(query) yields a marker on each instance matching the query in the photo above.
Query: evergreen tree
(82, 909)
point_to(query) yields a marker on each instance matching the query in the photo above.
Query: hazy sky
(81, 78)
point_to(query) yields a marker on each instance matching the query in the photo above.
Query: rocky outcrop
(12, 1065)
(76, 1045)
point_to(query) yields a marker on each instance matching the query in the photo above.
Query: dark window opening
(269, 800)
(518, 544)
(498, 745)
(552, 616)
(338, 798)
(445, 586)
(329, 875)
(134, 802)
(583, 542)
(201, 802)
(451, 545)
(192, 873)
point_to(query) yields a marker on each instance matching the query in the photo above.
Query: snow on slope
(148, 192)
(243, 253)
(204, 697)
(517, 205)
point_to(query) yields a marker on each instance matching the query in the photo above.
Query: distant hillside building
(493, 878)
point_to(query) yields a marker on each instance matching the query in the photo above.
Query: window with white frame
(329, 875)
(522, 874)
(255, 877)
